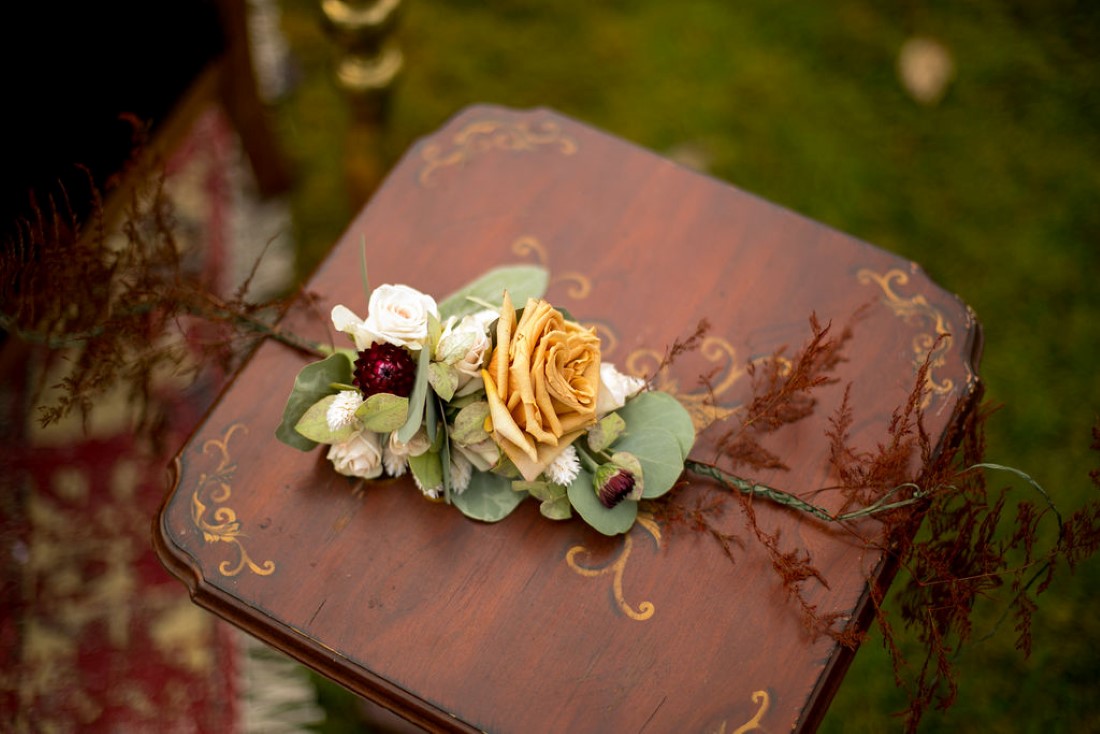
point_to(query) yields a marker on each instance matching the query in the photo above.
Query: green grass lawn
(995, 191)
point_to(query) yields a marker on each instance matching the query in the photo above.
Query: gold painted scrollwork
(224, 527)
(645, 609)
(701, 403)
(931, 346)
(763, 700)
(483, 136)
(580, 285)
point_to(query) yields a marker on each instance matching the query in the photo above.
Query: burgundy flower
(614, 484)
(385, 368)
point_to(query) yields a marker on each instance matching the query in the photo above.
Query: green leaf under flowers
(314, 423)
(383, 412)
(553, 498)
(417, 399)
(521, 281)
(444, 379)
(614, 521)
(659, 432)
(469, 424)
(312, 383)
(488, 498)
(606, 432)
(428, 469)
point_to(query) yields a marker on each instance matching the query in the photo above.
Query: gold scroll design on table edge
(617, 567)
(763, 700)
(931, 346)
(225, 527)
(482, 136)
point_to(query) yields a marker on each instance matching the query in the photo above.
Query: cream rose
(542, 384)
(396, 314)
(465, 344)
(358, 456)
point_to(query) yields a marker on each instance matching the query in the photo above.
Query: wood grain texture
(531, 625)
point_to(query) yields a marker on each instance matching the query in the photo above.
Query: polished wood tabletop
(529, 624)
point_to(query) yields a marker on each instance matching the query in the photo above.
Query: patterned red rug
(95, 636)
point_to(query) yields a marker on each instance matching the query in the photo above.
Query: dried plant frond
(132, 309)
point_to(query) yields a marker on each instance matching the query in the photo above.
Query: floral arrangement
(485, 404)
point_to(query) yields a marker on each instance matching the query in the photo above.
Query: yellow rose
(542, 384)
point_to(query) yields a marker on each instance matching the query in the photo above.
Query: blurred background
(963, 136)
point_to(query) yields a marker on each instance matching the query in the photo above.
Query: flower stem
(744, 486)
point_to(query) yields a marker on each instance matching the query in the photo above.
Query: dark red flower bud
(614, 484)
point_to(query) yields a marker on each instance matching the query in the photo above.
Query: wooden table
(527, 624)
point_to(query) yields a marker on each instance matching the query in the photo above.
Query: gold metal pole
(367, 65)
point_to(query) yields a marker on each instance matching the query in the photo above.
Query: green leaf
(659, 409)
(606, 432)
(383, 412)
(489, 497)
(312, 383)
(314, 423)
(553, 498)
(428, 469)
(417, 399)
(617, 520)
(521, 281)
(469, 424)
(659, 432)
(444, 379)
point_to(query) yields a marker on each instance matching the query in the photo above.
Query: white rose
(398, 314)
(359, 456)
(464, 345)
(615, 389)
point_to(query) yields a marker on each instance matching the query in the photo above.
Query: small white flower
(615, 389)
(342, 411)
(565, 468)
(461, 472)
(395, 455)
(358, 456)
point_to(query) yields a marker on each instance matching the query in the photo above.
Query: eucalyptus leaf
(417, 398)
(311, 384)
(383, 412)
(488, 498)
(314, 423)
(469, 424)
(553, 498)
(428, 469)
(582, 496)
(521, 281)
(661, 410)
(659, 453)
(444, 379)
(606, 432)
(659, 432)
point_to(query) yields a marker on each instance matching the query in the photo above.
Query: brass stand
(368, 62)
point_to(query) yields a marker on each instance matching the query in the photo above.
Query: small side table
(532, 625)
